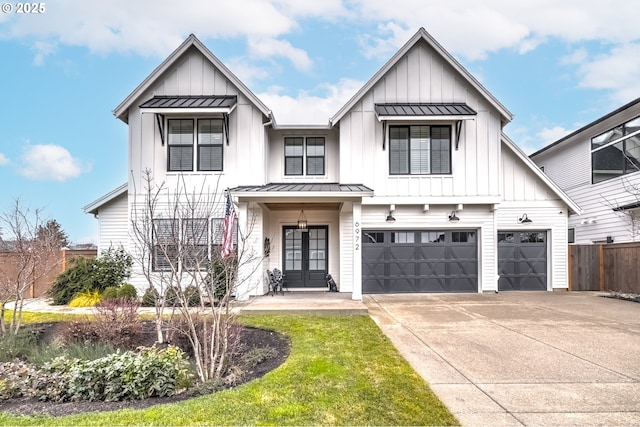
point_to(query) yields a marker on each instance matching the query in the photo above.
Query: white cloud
(549, 135)
(617, 71)
(4, 160)
(306, 108)
(50, 162)
(270, 47)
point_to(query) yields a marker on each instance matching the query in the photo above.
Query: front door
(305, 256)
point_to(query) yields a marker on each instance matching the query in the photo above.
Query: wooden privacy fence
(610, 267)
(57, 265)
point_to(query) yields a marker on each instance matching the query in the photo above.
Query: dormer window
(181, 139)
(419, 150)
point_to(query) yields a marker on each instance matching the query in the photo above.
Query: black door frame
(305, 278)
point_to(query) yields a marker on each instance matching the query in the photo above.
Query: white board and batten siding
(526, 193)
(422, 76)
(243, 162)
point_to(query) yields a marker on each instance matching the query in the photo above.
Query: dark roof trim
(424, 109)
(634, 205)
(215, 101)
(303, 187)
(583, 128)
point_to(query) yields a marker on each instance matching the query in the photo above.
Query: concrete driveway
(521, 358)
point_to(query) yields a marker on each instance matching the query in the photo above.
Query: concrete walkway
(543, 359)
(304, 303)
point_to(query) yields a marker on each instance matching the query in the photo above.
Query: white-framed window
(187, 244)
(419, 150)
(205, 133)
(304, 156)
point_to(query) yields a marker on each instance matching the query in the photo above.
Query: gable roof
(583, 128)
(573, 207)
(121, 111)
(422, 34)
(94, 207)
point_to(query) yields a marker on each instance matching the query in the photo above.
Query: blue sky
(555, 65)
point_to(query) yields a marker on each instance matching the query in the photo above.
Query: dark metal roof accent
(584, 128)
(303, 187)
(424, 109)
(213, 101)
(634, 205)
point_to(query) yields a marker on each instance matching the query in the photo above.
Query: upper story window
(182, 137)
(616, 152)
(419, 150)
(296, 151)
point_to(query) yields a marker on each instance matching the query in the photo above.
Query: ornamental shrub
(86, 299)
(110, 269)
(130, 375)
(127, 291)
(110, 292)
(150, 296)
(15, 379)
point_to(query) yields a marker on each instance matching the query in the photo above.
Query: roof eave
(94, 207)
(421, 34)
(121, 110)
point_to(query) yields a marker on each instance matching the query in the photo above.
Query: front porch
(296, 302)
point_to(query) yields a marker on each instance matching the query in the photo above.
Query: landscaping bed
(273, 346)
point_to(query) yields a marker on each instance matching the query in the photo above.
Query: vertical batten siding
(524, 192)
(252, 236)
(474, 165)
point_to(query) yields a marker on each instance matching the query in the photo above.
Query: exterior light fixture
(524, 219)
(390, 218)
(302, 221)
(453, 217)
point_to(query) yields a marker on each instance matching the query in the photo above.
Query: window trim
(195, 144)
(302, 145)
(408, 152)
(200, 145)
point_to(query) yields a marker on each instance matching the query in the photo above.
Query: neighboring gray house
(597, 166)
(410, 187)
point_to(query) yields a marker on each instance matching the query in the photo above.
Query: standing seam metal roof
(304, 187)
(214, 101)
(424, 109)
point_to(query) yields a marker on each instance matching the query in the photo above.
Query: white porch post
(243, 288)
(357, 252)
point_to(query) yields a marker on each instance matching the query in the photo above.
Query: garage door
(522, 260)
(419, 261)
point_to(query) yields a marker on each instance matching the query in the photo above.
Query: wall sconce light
(302, 221)
(453, 217)
(390, 217)
(524, 219)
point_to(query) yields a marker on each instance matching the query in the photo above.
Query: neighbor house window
(419, 150)
(616, 152)
(181, 138)
(304, 157)
(572, 235)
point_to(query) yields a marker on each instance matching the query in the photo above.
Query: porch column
(243, 288)
(357, 252)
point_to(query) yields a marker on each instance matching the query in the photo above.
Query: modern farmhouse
(411, 186)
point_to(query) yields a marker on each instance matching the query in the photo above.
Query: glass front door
(305, 256)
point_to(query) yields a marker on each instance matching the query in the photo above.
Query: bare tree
(31, 256)
(177, 236)
(630, 216)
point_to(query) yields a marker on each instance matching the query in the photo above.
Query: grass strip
(341, 371)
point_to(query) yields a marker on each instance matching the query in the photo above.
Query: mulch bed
(250, 338)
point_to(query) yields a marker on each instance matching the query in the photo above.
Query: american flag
(229, 224)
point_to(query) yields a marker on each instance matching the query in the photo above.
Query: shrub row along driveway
(521, 358)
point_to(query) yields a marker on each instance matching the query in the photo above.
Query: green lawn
(342, 371)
